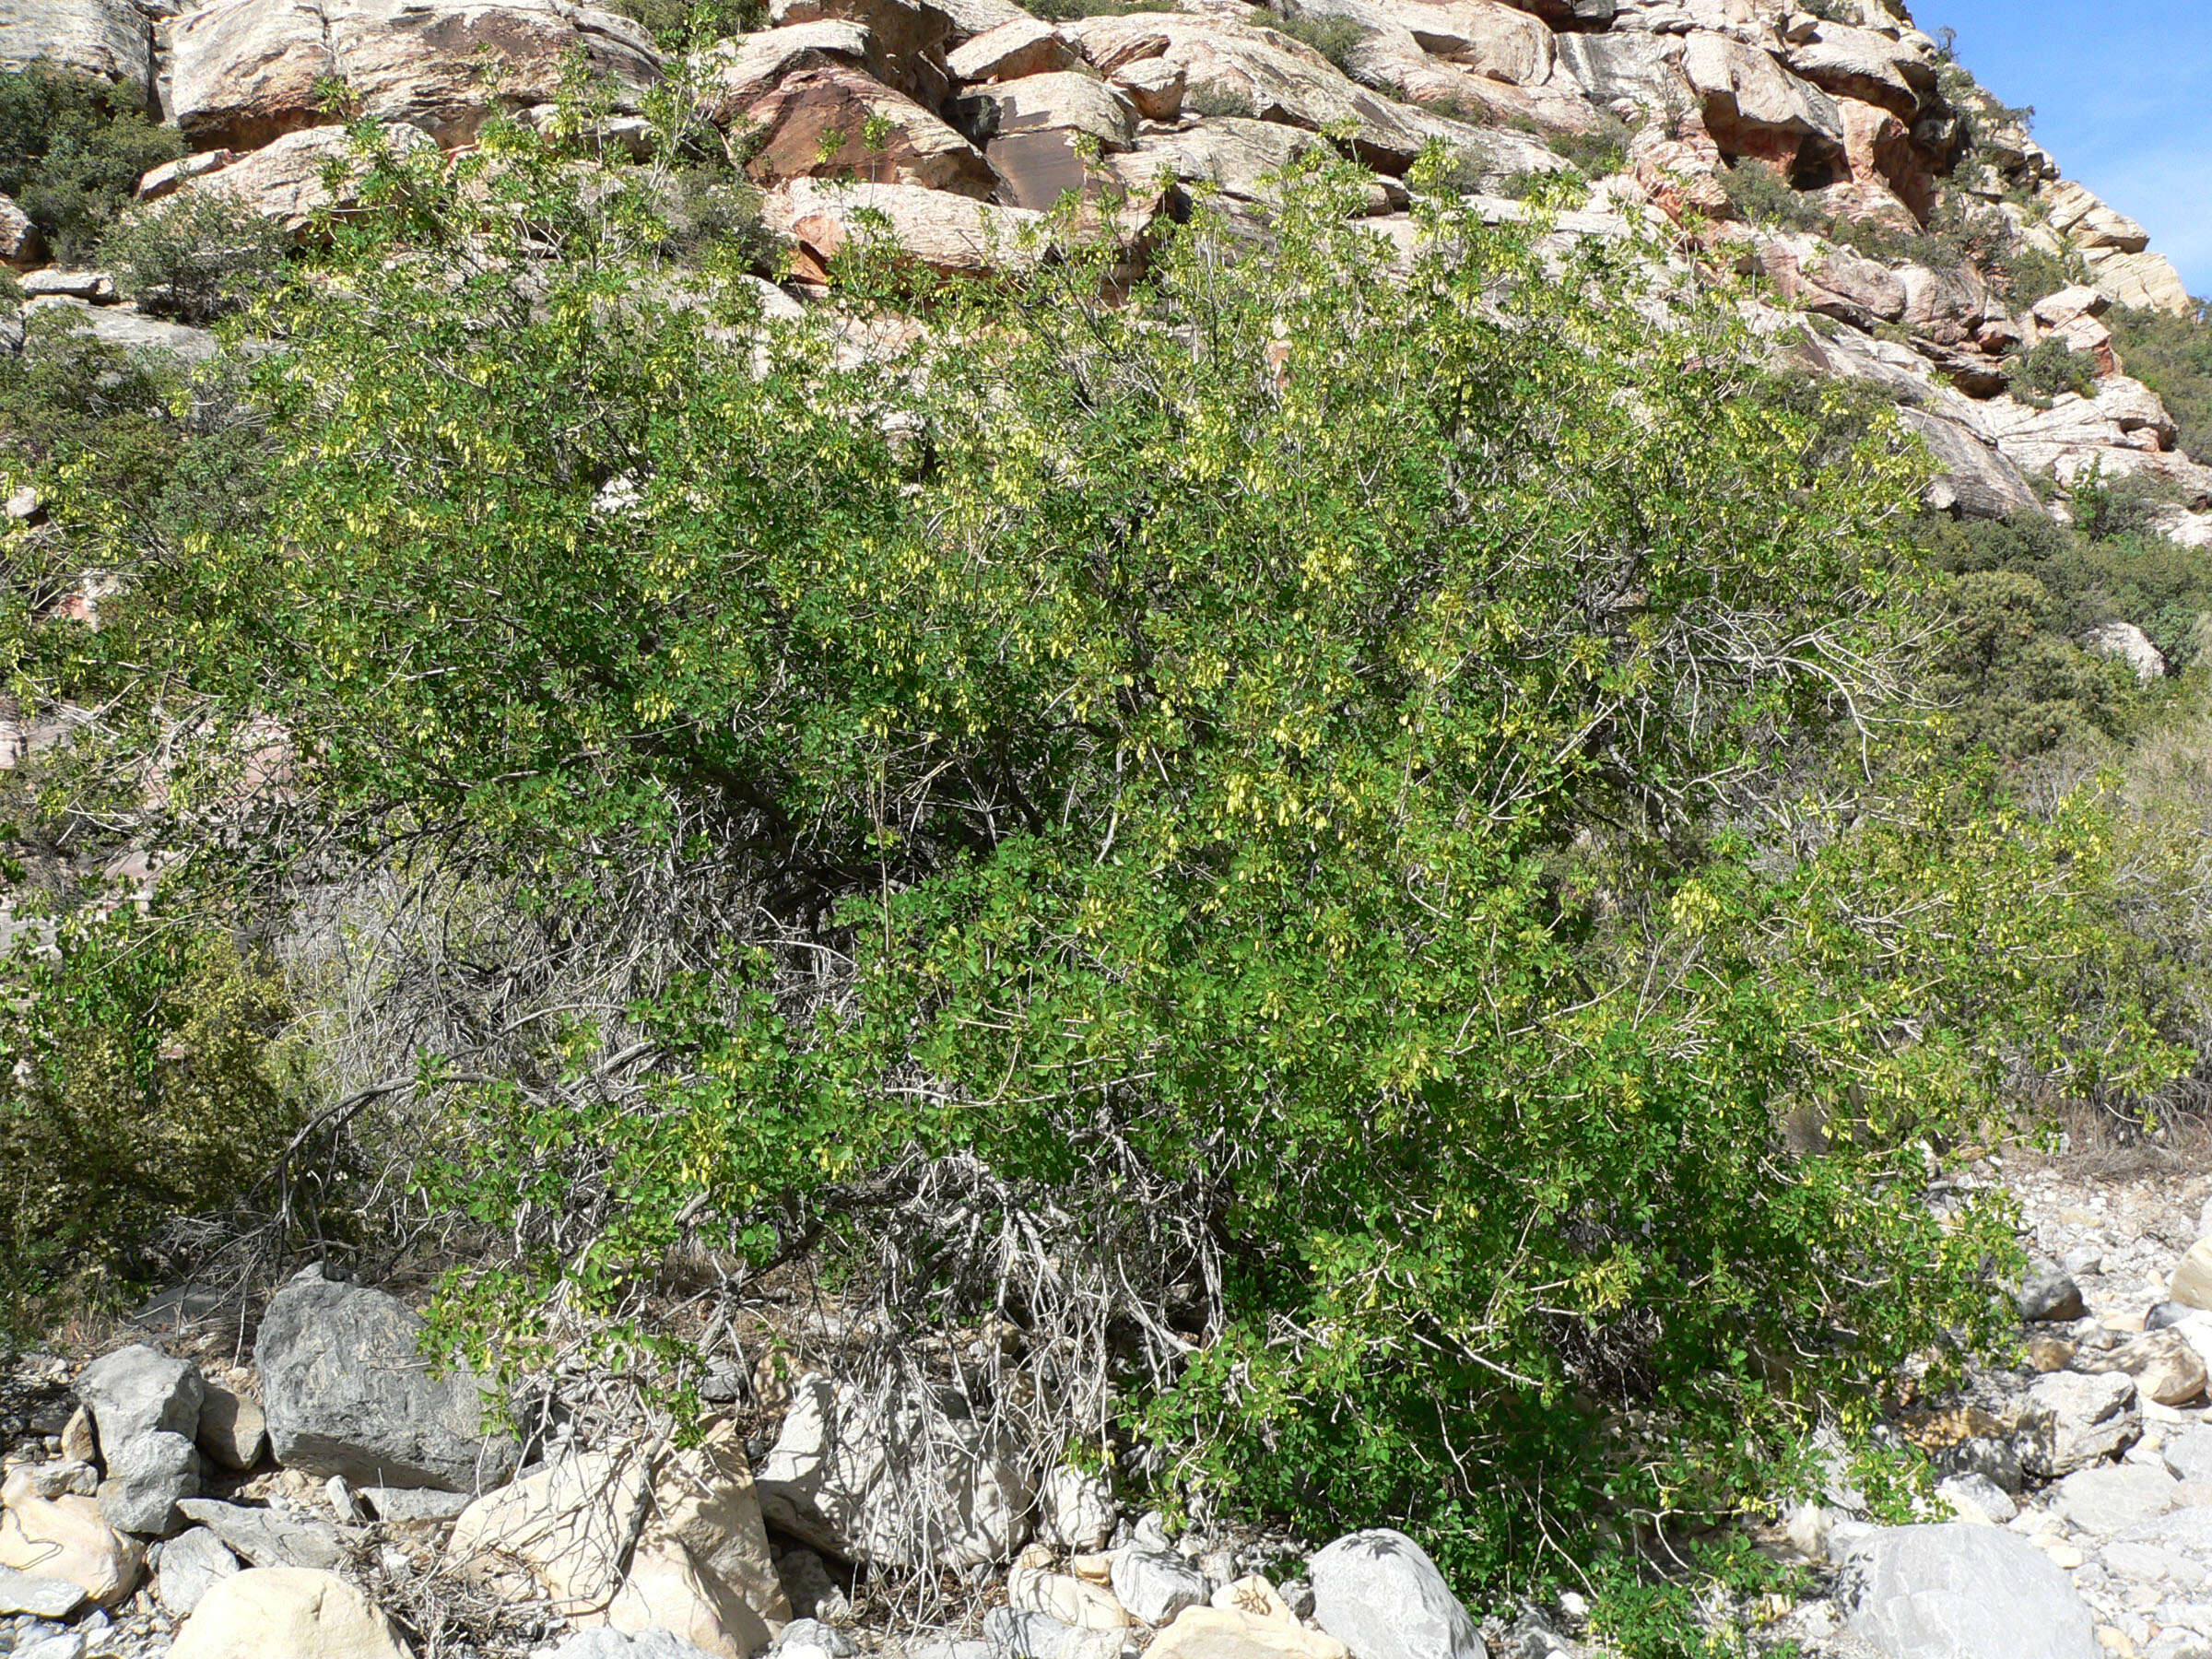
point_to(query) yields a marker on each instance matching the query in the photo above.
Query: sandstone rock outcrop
(246, 71)
(110, 39)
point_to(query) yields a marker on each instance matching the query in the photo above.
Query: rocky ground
(333, 1497)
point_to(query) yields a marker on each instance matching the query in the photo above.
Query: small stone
(410, 1505)
(147, 1477)
(2191, 1282)
(805, 1638)
(33, 1592)
(231, 1430)
(2111, 1499)
(1156, 1584)
(80, 1443)
(295, 1612)
(2049, 1295)
(1978, 1498)
(1079, 1510)
(2048, 1353)
(263, 1537)
(140, 1390)
(190, 1564)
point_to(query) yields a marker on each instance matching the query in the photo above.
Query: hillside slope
(1838, 155)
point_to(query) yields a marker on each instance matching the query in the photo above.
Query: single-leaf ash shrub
(1333, 845)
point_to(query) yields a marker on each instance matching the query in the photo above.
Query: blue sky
(2122, 97)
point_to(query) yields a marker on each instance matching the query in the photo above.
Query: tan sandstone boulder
(703, 1498)
(1226, 1633)
(668, 1589)
(19, 236)
(284, 179)
(1753, 106)
(292, 1612)
(564, 1531)
(67, 1537)
(1018, 47)
(108, 39)
(949, 234)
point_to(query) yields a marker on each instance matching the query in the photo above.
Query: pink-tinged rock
(165, 179)
(1268, 76)
(2134, 406)
(2055, 311)
(910, 33)
(245, 72)
(2078, 216)
(972, 17)
(1891, 176)
(1066, 104)
(1863, 63)
(816, 125)
(2144, 281)
(1754, 107)
(741, 71)
(1155, 86)
(1024, 46)
(953, 235)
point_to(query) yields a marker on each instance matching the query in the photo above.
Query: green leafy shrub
(1334, 37)
(195, 256)
(681, 25)
(137, 1089)
(1069, 11)
(1209, 771)
(2027, 274)
(1763, 196)
(1600, 152)
(2172, 356)
(2048, 368)
(72, 151)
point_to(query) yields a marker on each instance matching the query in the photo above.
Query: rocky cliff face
(1836, 155)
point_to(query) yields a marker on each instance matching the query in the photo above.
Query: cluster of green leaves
(683, 24)
(138, 1087)
(2010, 670)
(2172, 356)
(1333, 36)
(72, 151)
(1600, 151)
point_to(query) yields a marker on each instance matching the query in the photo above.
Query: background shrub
(194, 255)
(72, 151)
(2045, 369)
(2172, 356)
